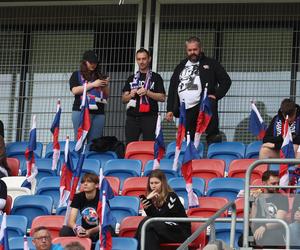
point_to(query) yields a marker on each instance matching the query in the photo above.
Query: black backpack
(108, 143)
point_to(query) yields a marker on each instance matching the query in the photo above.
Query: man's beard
(194, 57)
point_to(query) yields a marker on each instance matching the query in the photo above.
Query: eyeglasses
(42, 238)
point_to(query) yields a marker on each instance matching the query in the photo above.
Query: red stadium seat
(8, 205)
(14, 166)
(239, 203)
(114, 182)
(52, 222)
(208, 206)
(85, 242)
(129, 226)
(140, 150)
(134, 186)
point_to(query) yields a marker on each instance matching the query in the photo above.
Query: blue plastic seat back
(252, 150)
(17, 243)
(103, 157)
(19, 148)
(231, 148)
(89, 166)
(32, 206)
(49, 186)
(121, 243)
(16, 225)
(170, 152)
(179, 186)
(123, 206)
(49, 148)
(165, 165)
(123, 169)
(223, 232)
(225, 187)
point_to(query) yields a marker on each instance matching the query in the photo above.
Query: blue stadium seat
(252, 150)
(165, 165)
(121, 243)
(49, 149)
(223, 232)
(103, 157)
(225, 187)
(17, 243)
(17, 150)
(89, 166)
(179, 186)
(123, 206)
(49, 186)
(16, 225)
(122, 168)
(170, 152)
(226, 151)
(32, 206)
(61, 210)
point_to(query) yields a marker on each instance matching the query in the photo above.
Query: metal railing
(247, 197)
(209, 221)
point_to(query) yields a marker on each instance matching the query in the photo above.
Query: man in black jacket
(187, 83)
(273, 138)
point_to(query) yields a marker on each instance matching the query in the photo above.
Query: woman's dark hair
(3, 163)
(87, 74)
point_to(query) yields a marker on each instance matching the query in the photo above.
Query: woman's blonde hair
(165, 188)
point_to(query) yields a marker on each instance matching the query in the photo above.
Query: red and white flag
(159, 145)
(55, 132)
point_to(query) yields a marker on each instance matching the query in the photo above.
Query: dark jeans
(135, 126)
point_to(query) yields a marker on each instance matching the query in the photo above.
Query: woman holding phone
(162, 201)
(97, 94)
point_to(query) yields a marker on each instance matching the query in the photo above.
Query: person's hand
(100, 83)
(133, 93)
(141, 91)
(145, 203)
(212, 97)
(259, 232)
(297, 216)
(269, 145)
(255, 192)
(169, 116)
(152, 195)
(80, 231)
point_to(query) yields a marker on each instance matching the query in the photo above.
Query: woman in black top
(161, 201)
(4, 169)
(97, 94)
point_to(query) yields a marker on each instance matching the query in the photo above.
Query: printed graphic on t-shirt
(189, 88)
(140, 84)
(271, 210)
(280, 124)
(90, 216)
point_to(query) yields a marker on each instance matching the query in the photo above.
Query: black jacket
(210, 71)
(274, 131)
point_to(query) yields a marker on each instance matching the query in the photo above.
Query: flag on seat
(256, 124)
(66, 176)
(55, 132)
(85, 122)
(190, 154)
(31, 169)
(3, 234)
(180, 134)
(204, 117)
(159, 145)
(106, 219)
(286, 151)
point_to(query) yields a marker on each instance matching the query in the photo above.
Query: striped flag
(180, 134)
(3, 234)
(31, 169)
(286, 151)
(190, 154)
(85, 122)
(55, 131)
(159, 145)
(256, 124)
(204, 117)
(26, 247)
(66, 176)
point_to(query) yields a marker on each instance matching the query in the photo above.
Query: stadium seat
(61, 210)
(179, 186)
(52, 222)
(119, 243)
(122, 168)
(165, 165)
(49, 149)
(238, 168)
(17, 243)
(170, 151)
(208, 168)
(17, 149)
(239, 203)
(103, 157)
(16, 225)
(89, 166)
(32, 206)
(208, 206)
(129, 226)
(8, 204)
(225, 187)
(114, 183)
(223, 232)
(226, 151)
(135, 186)
(123, 206)
(140, 150)
(85, 242)
(49, 186)
(14, 166)
(252, 150)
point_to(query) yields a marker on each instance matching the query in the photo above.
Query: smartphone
(143, 197)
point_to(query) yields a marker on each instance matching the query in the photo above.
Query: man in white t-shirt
(187, 83)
